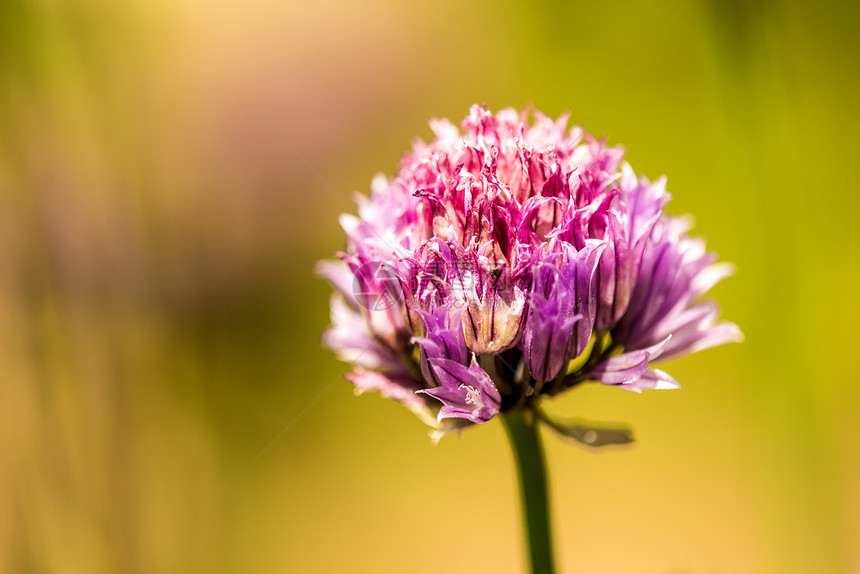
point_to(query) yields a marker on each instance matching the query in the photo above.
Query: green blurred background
(160, 321)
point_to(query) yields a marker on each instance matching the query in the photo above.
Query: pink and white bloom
(510, 260)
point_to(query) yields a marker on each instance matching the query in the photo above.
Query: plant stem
(522, 427)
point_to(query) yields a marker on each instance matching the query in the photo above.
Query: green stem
(522, 427)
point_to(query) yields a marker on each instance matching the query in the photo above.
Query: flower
(511, 261)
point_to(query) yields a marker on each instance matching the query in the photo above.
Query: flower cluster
(511, 261)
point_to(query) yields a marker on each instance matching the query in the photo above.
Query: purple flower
(465, 392)
(512, 260)
(562, 306)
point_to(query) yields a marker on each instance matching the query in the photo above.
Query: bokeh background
(170, 172)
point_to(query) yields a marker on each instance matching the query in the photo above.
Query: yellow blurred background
(170, 171)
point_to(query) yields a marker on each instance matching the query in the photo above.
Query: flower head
(512, 260)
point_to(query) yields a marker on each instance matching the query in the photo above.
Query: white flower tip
(736, 335)
(435, 437)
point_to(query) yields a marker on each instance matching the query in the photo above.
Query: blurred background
(170, 172)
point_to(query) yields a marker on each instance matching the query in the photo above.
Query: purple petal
(698, 339)
(465, 392)
(399, 388)
(651, 379)
(562, 307)
(627, 367)
(352, 342)
(339, 275)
